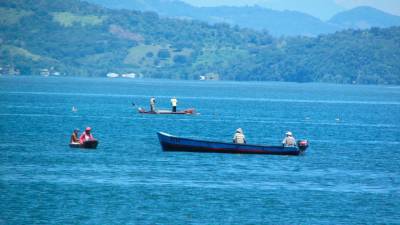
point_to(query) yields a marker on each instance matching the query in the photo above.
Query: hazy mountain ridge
(79, 39)
(364, 17)
(278, 23)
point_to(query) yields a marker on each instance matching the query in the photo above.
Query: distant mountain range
(364, 18)
(278, 23)
(76, 38)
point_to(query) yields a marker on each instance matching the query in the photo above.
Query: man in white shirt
(174, 102)
(152, 104)
(238, 137)
(289, 140)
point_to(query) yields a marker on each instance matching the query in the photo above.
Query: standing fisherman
(174, 102)
(152, 104)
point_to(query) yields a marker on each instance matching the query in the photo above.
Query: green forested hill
(79, 39)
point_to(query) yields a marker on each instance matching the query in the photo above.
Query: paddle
(136, 107)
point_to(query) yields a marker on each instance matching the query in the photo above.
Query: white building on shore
(112, 75)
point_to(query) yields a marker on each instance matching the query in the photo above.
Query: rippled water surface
(349, 175)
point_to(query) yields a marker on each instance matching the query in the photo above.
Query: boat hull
(182, 112)
(172, 143)
(92, 144)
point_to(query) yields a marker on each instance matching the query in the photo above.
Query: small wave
(89, 180)
(11, 145)
(36, 115)
(29, 107)
(356, 142)
(270, 121)
(218, 98)
(189, 118)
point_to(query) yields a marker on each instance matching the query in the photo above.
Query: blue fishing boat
(173, 143)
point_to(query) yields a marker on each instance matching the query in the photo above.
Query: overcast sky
(323, 9)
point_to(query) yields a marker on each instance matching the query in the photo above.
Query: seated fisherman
(289, 140)
(86, 136)
(74, 137)
(238, 137)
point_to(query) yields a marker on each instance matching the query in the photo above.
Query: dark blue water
(349, 175)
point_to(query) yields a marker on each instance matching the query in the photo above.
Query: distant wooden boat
(91, 144)
(173, 143)
(161, 111)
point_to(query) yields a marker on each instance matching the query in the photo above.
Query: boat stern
(302, 145)
(190, 111)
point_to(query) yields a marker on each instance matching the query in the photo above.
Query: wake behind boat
(173, 143)
(163, 111)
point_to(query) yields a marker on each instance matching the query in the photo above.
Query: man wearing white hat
(289, 140)
(238, 137)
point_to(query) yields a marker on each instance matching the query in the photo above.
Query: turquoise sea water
(349, 175)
